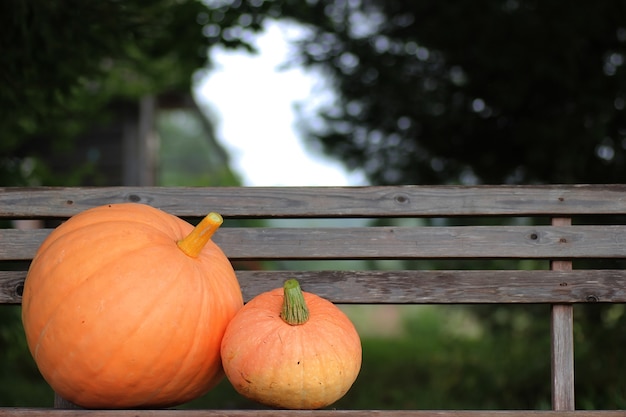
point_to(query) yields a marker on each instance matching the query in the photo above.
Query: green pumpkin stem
(294, 311)
(195, 241)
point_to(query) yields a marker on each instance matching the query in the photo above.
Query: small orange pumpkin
(291, 349)
(125, 306)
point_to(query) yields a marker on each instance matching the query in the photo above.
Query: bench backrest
(540, 228)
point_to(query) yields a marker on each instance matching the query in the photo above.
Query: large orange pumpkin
(291, 349)
(125, 306)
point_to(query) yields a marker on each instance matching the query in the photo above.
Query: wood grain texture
(290, 202)
(562, 342)
(421, 287)
(11, 286)
(483, 242)
(562, 356)
(44, 412)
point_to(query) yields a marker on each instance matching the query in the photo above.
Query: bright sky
(254, 101)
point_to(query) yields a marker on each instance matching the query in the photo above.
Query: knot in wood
(401, 198)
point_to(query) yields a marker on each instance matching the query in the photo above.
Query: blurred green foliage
(66, 66)
(189, 153)
(490, 91)
(20, 381)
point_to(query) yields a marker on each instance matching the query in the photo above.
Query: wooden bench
(557, 240)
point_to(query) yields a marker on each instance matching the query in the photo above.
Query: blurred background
(344, 92)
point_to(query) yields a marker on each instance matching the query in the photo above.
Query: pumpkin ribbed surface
(117, 316)
(305, 366)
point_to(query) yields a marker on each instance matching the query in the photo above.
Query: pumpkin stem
(294, 311)
(193, 243)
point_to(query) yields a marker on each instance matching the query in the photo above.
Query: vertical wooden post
(562, 324)
(140, 146)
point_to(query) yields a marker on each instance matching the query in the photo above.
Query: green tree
(492, 91)
(516, 91)
(66, 65)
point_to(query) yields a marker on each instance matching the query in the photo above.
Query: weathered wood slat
(422, 287)
(44, 412)
(562, 358)
(291, 202)
(562, 342)
(11, 286)
(541, 242)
